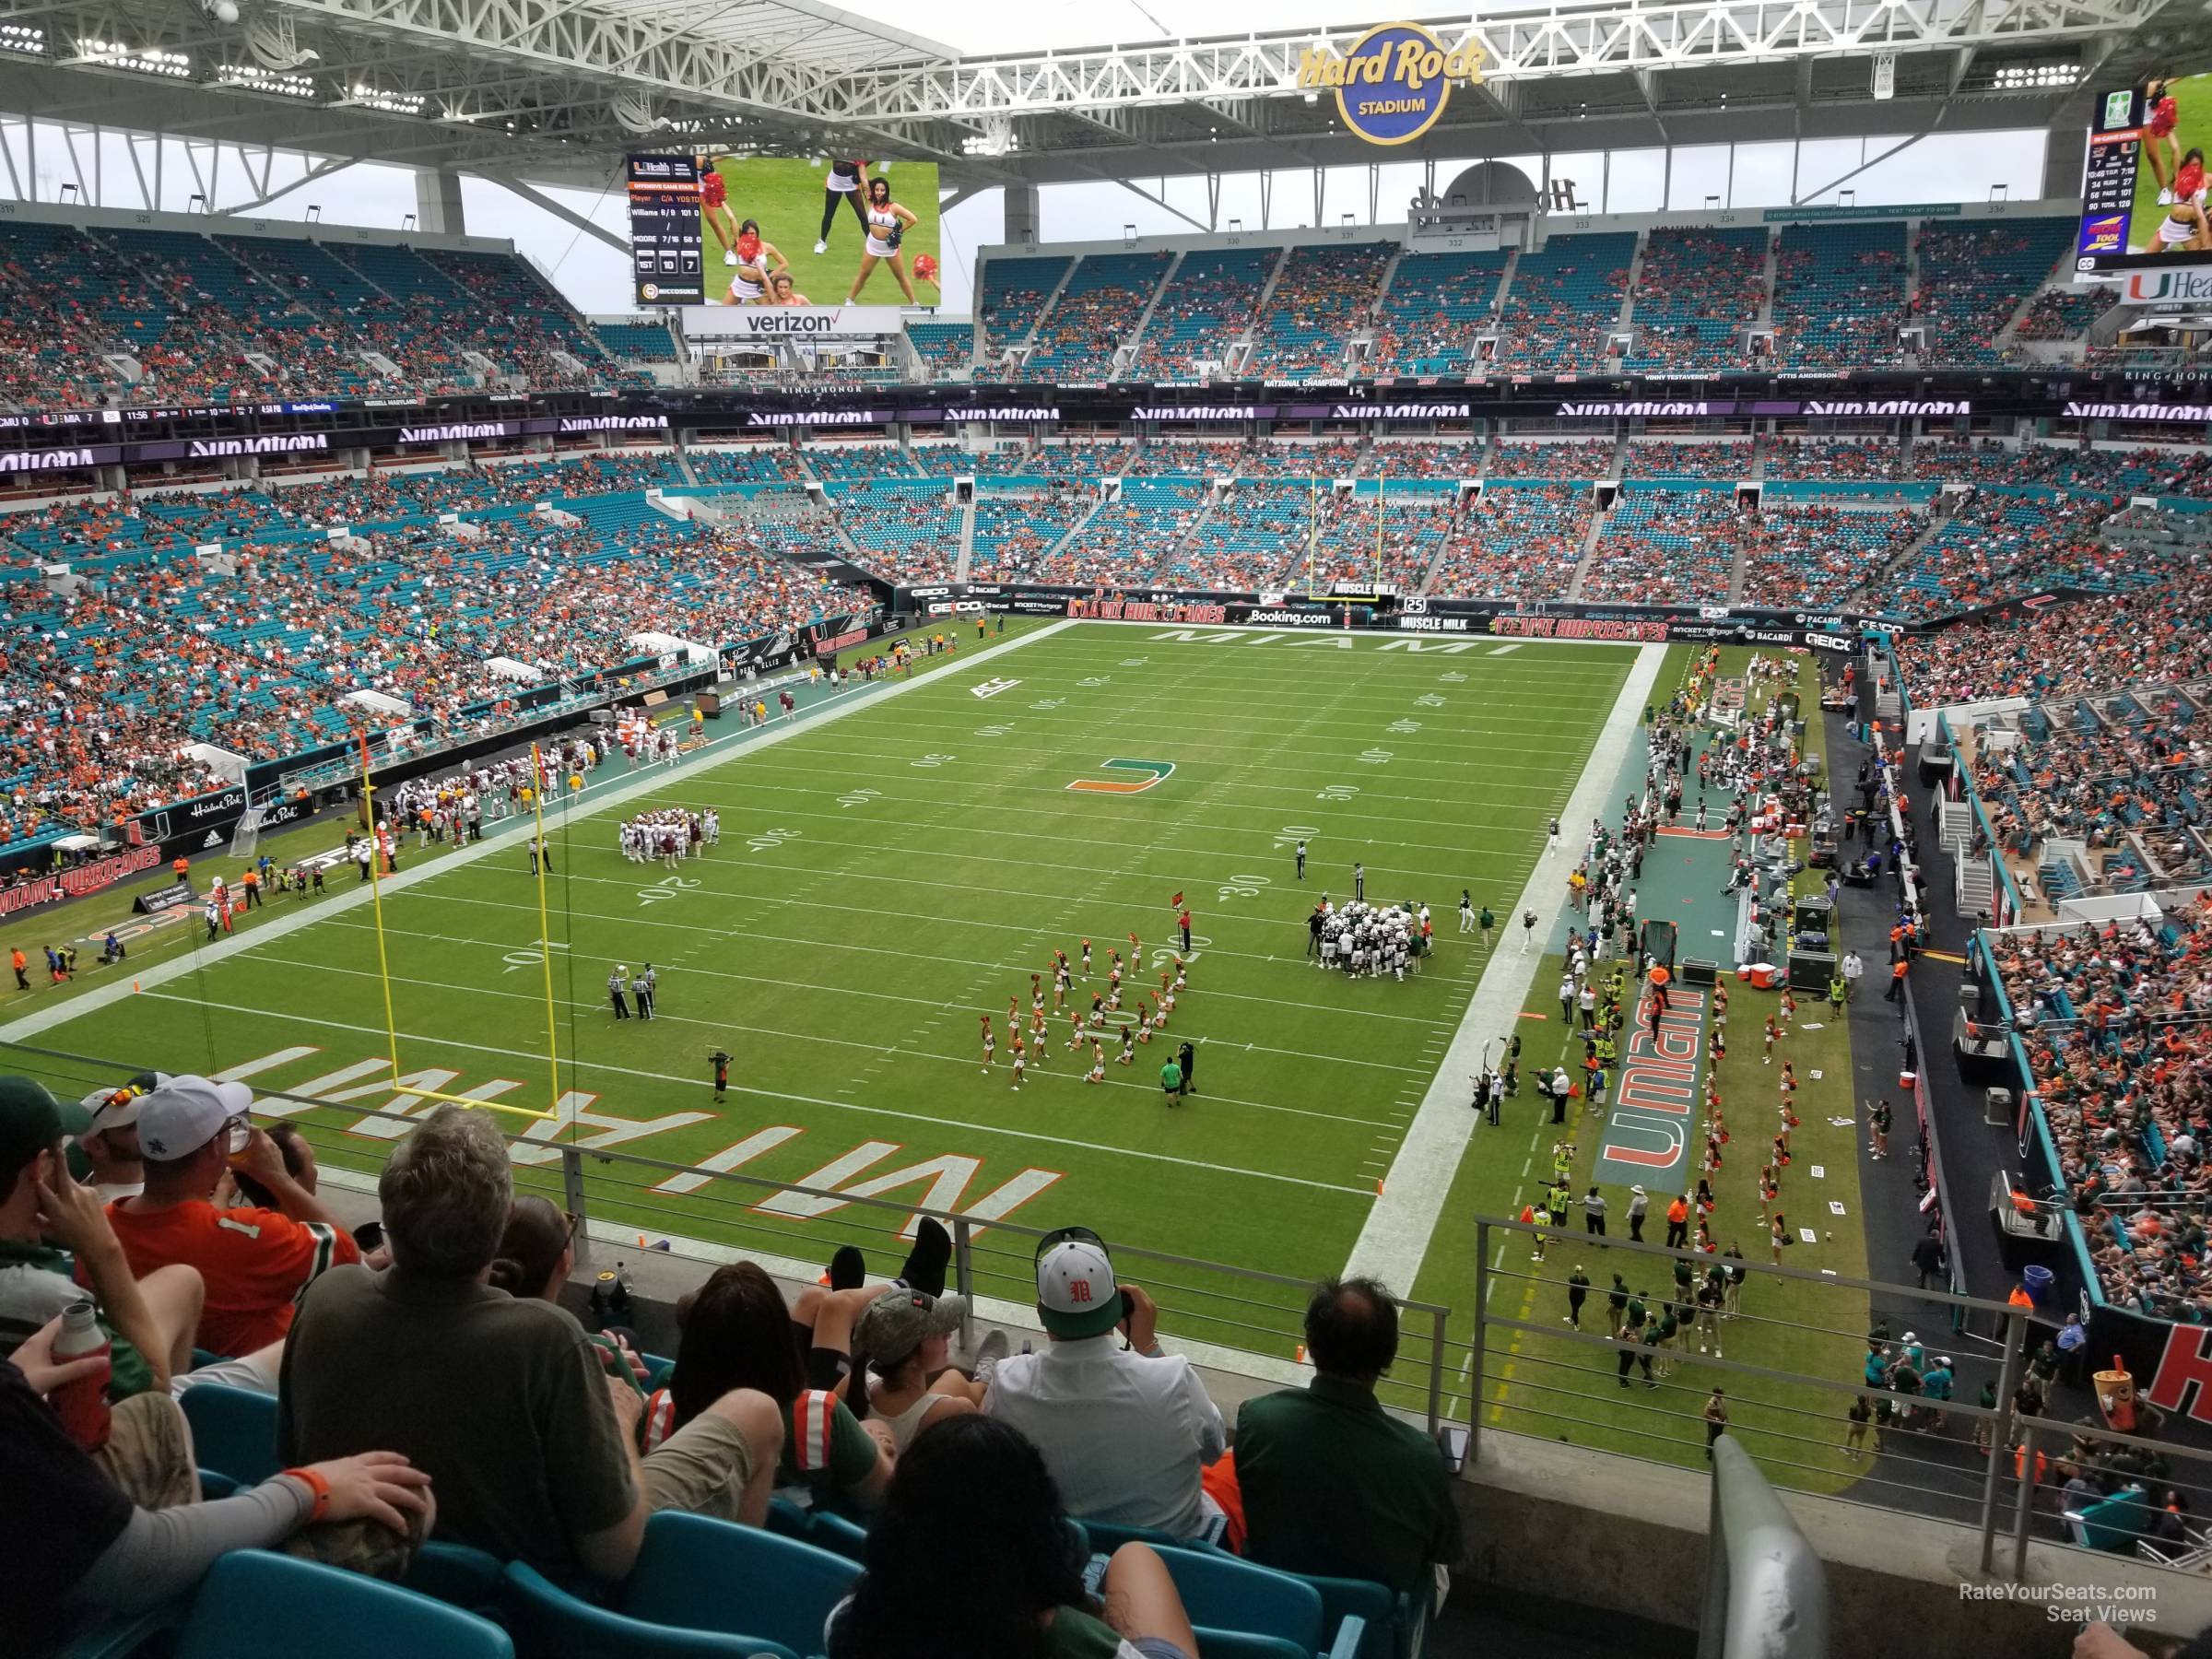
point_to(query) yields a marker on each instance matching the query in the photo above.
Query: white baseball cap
(1076, 1295)
(117, 1108)
(182, 1115)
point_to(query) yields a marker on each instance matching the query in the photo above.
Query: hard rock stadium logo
(1392, 84)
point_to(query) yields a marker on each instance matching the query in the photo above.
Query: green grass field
(786, 197)
(886, 877)
(1559, 1388)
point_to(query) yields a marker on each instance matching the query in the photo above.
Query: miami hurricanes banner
(1653, 1112)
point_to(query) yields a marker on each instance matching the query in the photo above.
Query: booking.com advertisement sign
(1392, 84)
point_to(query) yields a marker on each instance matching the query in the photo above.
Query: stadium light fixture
(23, 39)
(148, 60)
(253, 77)
(390, 103)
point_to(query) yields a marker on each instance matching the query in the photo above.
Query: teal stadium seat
(233, 1435)
(257, 1605)
(698, 1576)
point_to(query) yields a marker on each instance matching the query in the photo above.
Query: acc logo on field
(1393, 85)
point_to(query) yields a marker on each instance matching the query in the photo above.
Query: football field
(896, 864)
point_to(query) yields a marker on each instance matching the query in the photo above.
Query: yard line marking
(645, 783)
(883, 1055)
(904, 955)
(784, 1094)
(1396, 1236)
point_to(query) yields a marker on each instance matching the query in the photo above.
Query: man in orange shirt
(255, 1262)
(20, 963)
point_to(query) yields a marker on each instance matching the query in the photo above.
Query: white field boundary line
(1396, 1234)
(1240, 1172)
(647, 781)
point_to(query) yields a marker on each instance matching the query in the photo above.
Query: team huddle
(1107, 1017)
(670, 835)
(1365, 941)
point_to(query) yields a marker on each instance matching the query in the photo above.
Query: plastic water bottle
(82, 1405)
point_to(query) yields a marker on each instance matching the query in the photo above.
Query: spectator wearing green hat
(904, 1338)
(49, 1227)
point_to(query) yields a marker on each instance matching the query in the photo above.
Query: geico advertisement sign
(953, 608)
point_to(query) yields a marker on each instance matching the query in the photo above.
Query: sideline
(648, 781)
(1396, 1237)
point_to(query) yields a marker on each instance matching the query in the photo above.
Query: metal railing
(1232, 1318)
(1766, 1591)
(1526, 1371)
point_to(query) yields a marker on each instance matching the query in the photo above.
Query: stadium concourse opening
(1463, 836)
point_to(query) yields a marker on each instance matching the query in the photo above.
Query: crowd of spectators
(1124, 541)
(1839, 294)
(2118, 1024)
(1823, 555)
(1249, 542)
(1696, 291)
(1833, 460)
(1446, 459)
(1395, 542)
(1561, 306)
(2002, 546)
(1095, 315)
(1207, 304)
(237, 319)
(2157, 629)
(1322, 296)
(107, 683)
(1438, 306)
(1670, 547)
(1014, 534)
(1573, 458)
(1518, 542)
(1974, 277)
(744, 463)
(905, 528)
(1661, 458)
(2065, 313)
(1337, 459)
(1015, 292)
(208, 1235)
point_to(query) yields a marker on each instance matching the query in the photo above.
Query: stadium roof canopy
(554, 90)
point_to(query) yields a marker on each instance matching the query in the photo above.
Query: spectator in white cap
(1124, 1427)
(255, 1262)
(53, 1231)
(110, 1143)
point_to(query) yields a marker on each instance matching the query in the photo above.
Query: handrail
(1766, 1591)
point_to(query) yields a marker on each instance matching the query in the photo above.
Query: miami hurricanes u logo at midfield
(1140, 775)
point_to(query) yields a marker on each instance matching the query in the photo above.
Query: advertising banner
(76, 881)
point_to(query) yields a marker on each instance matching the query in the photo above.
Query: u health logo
(1393, 85)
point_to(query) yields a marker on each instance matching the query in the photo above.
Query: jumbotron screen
(2143, 198)
(754, 230)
